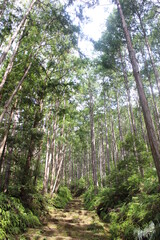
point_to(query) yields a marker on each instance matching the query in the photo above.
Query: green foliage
(130, 203)
(130, 210)
(103, 201)
(90, 198)
(133, 218)
(37, 204)
(2, 234)
(78, 188)
(14, 217)
(61, 199)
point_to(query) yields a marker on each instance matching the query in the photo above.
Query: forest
(79, 136)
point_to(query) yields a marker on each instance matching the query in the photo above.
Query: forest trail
(71, 223)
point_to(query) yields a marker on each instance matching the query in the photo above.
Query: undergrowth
(61, 199)
(135, 215)
(14, 217)
(130, 203)
(78, 187)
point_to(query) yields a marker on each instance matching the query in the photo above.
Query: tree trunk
(62, 176)
(53, 148)
(8, 162)
(114, 144)
(36, 172)
(37, 165)
(19, 84)
(146, 112)
(100, 153)
(156, 111)
(119, 123)
(119, 116)
(85, 170)
(27, 168)
(103, 154)
(47, 164)
(9, 157)
(93, 147)
(53, 154)
(155, 107)
(106, 136)
(59, 170)
(14, 93)
(10, 65)
(101, 162)
(133, 126)
(3, 142)
(142, 127)
(7, 48)
(7, 171)
(60, 159)
(72, 170)
(156, 74)
(2, 158)
(69, 166)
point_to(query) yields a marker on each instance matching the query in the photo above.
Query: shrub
(37, 204)
(131, 208)
(61, 199)
(139, 218)
(78, 188)
(90, 199)
(14, 218)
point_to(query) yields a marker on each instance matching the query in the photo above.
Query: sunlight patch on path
(72, 223)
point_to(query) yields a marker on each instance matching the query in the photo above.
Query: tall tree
(93, 147)
(144, 103)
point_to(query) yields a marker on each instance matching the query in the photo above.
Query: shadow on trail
(74, 222)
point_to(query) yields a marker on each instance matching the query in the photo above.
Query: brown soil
(71, 223)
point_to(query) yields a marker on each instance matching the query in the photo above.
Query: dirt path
(73, 223)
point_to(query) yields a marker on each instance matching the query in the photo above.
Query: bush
(133, 218)
(132, 207)
(61, 199)
(14, 218)
(78, 188)
(37, 204)
(90, 199)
